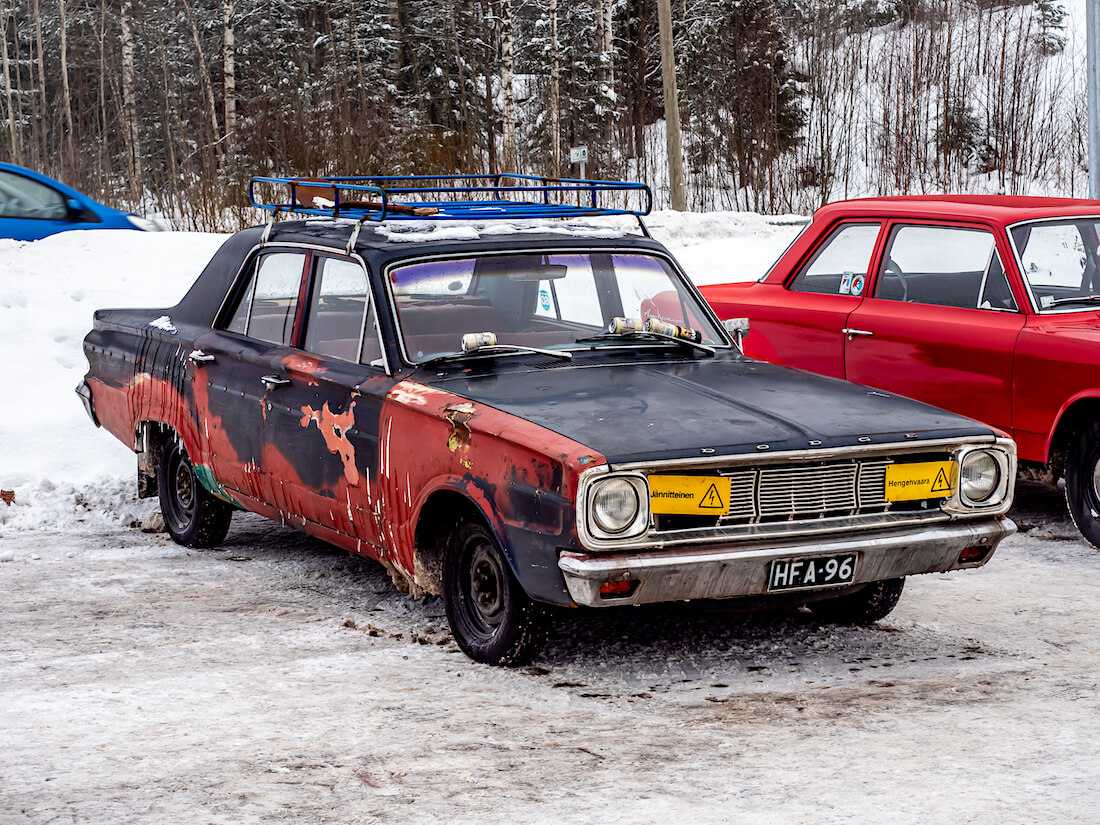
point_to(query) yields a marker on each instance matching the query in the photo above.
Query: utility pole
(672, 109)
(1092, 81)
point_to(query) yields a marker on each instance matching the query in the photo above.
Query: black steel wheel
(492, 619)
(194, 516)
(1083, 482)
(866, 606)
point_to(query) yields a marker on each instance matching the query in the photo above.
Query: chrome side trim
(731, 571)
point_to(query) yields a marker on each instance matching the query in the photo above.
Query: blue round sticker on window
(544, 298)
(857, 285)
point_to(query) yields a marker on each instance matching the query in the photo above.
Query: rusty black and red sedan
(518, 417)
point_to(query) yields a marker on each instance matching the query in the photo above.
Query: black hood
(634, 407)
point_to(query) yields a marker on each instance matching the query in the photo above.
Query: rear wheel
(875, 601)
(1083, 482)
(194, 516)
(492, 619)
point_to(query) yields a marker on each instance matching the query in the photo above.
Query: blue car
(33, 206)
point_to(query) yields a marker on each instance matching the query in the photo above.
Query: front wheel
(1083, 482)
(492, 619)
(875, 601)
(194, 516)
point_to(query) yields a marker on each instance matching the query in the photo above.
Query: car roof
(401, 240)
(381, 245)
(998, 209)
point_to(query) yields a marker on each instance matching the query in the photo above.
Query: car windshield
(1059, 262)
(543, 301)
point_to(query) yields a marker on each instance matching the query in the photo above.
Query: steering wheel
(892, 268)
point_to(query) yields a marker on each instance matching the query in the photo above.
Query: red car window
(949, 266)
(839, 266)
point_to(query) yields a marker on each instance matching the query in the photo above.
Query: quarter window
(946, 266)
(266, 310)
(840, 266)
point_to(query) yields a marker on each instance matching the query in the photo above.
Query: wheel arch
(1073, 415)
(436, 519)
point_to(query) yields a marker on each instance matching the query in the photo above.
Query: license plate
(822, 571)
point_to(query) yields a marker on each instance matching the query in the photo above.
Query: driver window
(340, 314)
(944, 265)
(840, 266)
(21, 197)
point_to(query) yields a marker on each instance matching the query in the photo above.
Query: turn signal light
(972, 554)
(617, 589)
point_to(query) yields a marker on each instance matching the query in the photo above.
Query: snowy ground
(278, 680)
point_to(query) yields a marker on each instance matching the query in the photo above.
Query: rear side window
(340, 323)
(266, 309)
(840, 266)
(946, 266)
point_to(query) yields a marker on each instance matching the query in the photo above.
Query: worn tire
(875, 601)
(194, 516)
(1083, 481)
(491, 617)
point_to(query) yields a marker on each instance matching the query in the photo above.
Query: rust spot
(334, 429)
(8, 497)
(459, 415)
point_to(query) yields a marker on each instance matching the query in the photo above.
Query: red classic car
(986, 306)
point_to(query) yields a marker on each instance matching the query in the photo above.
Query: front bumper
(732, 570)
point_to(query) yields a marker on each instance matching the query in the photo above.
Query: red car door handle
(200, 357)
(273, 381)
(852, 333)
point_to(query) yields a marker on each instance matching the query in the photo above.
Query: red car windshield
(1058, 260)
(548, 301)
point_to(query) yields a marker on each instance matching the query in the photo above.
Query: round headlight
(615, 505)
(980, 476)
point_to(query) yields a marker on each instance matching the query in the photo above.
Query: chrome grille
(802, 493)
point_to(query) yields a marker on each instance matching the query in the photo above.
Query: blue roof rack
(446, 197)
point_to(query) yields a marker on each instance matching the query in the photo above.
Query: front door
(321, 431)
(804, 325)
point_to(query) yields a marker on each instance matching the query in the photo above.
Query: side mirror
(738, 328)
(77, 212)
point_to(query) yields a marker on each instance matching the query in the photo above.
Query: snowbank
(51, 288)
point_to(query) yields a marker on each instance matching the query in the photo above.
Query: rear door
(942, 323)
(235, 361)
(803, 325)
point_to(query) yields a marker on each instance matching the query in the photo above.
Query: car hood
(643, 410)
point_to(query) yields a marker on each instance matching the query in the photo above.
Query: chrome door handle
(200, 357)
(273, 381)
(852, 333)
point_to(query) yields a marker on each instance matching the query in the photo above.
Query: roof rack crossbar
(446, 197)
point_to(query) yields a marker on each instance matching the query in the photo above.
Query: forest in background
(167, 107)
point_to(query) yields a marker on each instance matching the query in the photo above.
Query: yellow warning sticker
(928, 479)
(689, 495)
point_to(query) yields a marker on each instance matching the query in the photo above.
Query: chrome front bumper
(85, 393)
(731, 570)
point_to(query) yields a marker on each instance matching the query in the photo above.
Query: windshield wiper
(1080, 299)
(652, 330)
(490, 350)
